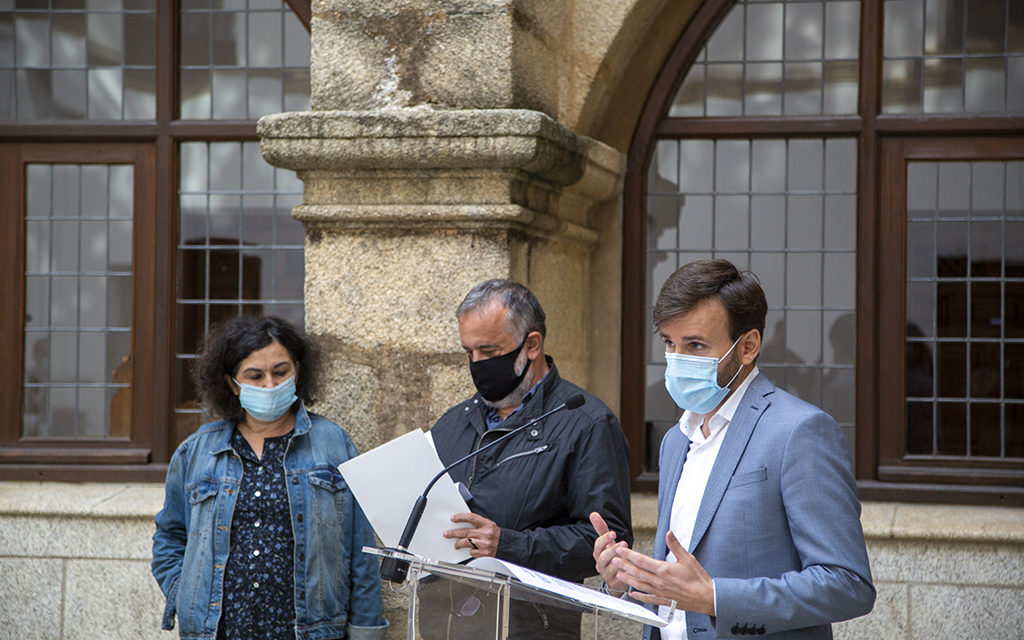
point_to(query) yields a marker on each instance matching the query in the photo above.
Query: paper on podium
(571, 590)
(387, 480)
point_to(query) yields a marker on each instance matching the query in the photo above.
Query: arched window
(140, 212)
(865, 160)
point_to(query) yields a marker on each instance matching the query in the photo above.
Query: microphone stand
(395, 570)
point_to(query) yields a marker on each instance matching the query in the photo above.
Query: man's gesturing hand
(604, 552)
(659, 582)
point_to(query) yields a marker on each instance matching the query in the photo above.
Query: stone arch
(650, 38)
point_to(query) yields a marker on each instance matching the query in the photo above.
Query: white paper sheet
(571, 590)
(387, 480)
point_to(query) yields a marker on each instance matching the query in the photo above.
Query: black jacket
(541, 485)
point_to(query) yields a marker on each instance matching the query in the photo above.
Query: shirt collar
(690, 422)
(493, 419)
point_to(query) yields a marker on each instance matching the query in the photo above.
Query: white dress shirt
(700, 458)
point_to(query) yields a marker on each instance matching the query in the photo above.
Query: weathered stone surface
(352, 393)
(67, 498)
(962, 562)
(369, 54)
(112, 599)
(375, 292)
(449, 384)
(887, 620)
(76, 537)
(31, 605)
(425, 138)
(954, 611)
(943, 522)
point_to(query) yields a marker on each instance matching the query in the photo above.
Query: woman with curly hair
(259, 536)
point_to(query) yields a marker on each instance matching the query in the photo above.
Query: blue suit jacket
(778, 528)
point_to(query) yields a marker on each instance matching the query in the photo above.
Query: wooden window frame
(879, 472)
(155, 143)
(146, 323)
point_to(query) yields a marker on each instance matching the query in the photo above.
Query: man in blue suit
(758, 518)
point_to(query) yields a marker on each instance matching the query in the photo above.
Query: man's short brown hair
(739, 292)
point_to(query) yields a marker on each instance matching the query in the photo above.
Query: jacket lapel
(671, 470)
(749, 411)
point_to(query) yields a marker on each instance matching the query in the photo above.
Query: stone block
(887, 620)
(350, 398)
(449, 385)
(411, 52)
(67, 498)
(30, 606)
(467, 62)
(77, 537)
(947, 562)
(397, 291)
(112, 599)
(953, 611)
(944, 522)
(876, 519)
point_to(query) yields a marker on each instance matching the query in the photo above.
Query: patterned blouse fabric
(258, 580)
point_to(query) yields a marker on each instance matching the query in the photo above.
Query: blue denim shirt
(337, 586)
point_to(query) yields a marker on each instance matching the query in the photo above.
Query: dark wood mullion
(12, 269)
(77, 131)
(867, 373)
(213, 130)
(949, 125)
(148, 317)
(744, 127)
(157, 407)
(917, 491)
(77, 472)
(633, 325)
(891, 300)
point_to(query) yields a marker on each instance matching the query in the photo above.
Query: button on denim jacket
(337, 586)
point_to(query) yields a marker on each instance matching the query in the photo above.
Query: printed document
(386, 482)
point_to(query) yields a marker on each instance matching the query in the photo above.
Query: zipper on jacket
(531, 452)
(480, 443)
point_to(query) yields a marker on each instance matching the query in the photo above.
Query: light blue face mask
(692, 381)
(267, 404)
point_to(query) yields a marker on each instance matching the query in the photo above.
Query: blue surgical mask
(267, 404)
(692, 381)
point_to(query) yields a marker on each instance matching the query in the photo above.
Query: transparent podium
(500, 600)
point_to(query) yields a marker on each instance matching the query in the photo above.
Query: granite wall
(74, 565)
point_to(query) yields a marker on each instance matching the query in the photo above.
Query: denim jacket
(337, 586)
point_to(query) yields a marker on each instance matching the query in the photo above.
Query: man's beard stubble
(513, 399)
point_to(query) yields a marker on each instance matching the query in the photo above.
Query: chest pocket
(757, 475)
(202, 499)
(329, 493)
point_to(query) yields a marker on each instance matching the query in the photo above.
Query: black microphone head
(575, 401)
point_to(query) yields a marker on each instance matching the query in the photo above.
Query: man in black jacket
(531, 496)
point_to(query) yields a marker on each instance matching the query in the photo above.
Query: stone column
(430, 163)
(405, 210)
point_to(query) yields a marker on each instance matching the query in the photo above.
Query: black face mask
(496, 377)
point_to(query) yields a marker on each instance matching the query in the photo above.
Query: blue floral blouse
(259, 599)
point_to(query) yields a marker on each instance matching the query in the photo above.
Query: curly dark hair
(231, 342)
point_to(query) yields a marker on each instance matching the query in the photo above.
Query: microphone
(394, 570)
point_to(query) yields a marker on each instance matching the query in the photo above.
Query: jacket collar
(222, 442)
(741, 427)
